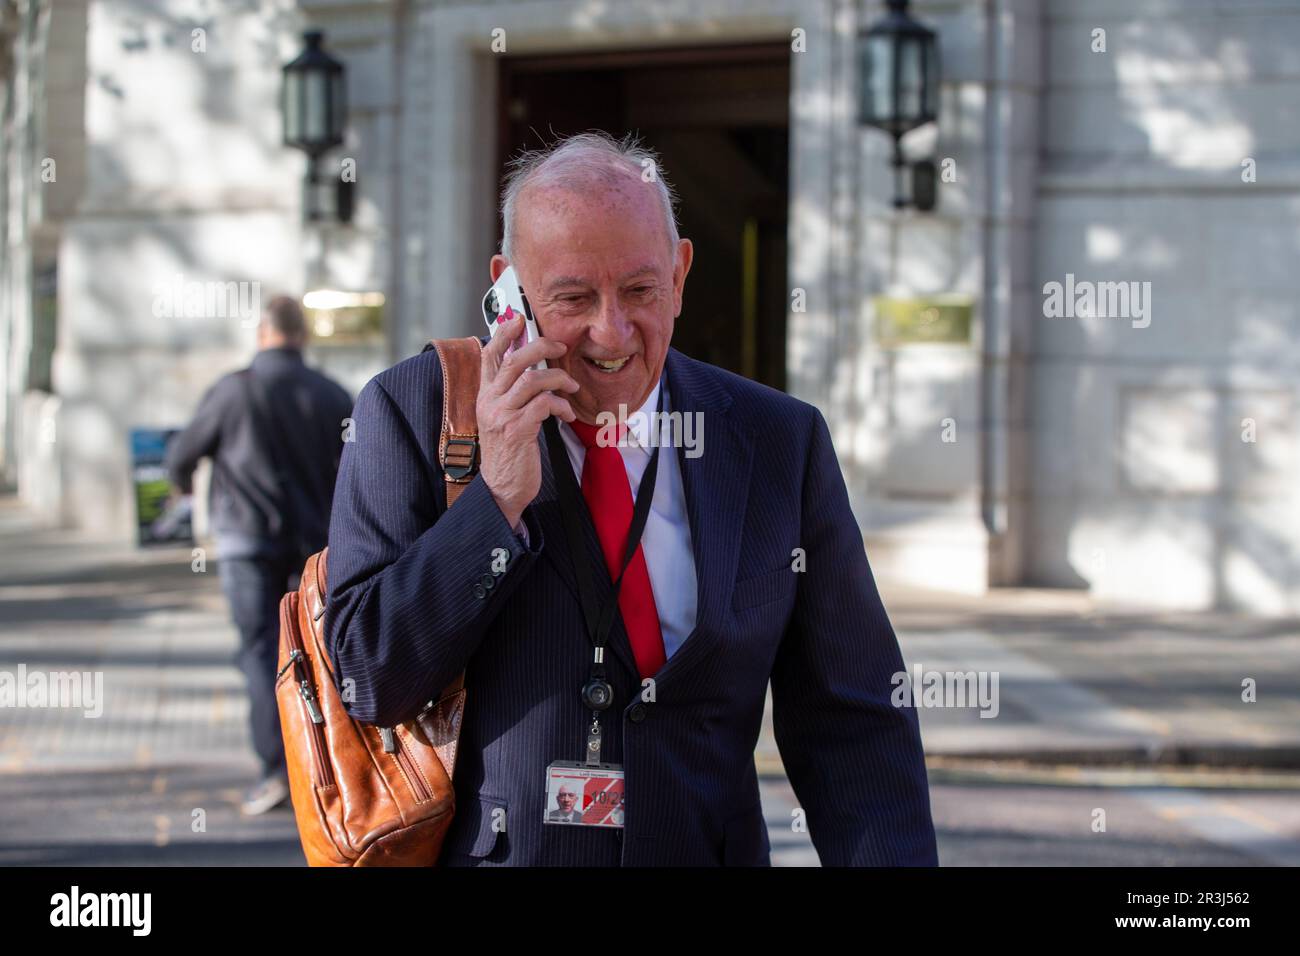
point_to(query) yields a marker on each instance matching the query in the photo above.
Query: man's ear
(681, 265)
(497, 266)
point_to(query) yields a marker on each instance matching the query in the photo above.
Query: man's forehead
(565, 240)
(548, 210)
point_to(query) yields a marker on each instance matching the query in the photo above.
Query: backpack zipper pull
(309, 698)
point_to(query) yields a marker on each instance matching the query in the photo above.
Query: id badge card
(581, 795)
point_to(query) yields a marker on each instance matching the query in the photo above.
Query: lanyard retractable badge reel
(597, 694)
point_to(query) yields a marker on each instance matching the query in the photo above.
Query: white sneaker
(266, 794)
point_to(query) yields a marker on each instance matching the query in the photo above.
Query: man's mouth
(608, 366)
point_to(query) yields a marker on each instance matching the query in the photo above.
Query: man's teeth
(611, 365)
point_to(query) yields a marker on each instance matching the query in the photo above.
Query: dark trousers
(254, 587)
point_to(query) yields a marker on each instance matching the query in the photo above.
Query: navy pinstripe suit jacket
(404, 616)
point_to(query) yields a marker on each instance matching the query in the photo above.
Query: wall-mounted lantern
(898, 84)
(313, 104)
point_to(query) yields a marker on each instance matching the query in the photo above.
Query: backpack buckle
(465, 466)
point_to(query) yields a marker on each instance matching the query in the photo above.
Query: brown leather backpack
(366, 795)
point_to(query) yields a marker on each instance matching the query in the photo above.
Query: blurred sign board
(159, 519)
(934, 319)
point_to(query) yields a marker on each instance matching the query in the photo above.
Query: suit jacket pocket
(762, 588)
(478, 826)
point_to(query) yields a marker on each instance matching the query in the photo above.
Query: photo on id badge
(577, 794)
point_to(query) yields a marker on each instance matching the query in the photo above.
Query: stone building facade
(1154, 143)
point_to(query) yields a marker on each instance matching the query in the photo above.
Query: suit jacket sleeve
(855, 760)
(404, 612)
(343, 415)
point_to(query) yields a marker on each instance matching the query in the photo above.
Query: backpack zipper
(315, 719)
(393, 745)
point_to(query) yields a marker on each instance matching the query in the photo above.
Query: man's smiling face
(600, 276)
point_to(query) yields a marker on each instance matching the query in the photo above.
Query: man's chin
(610, 401)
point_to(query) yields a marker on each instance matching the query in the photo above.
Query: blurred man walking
(275, 434)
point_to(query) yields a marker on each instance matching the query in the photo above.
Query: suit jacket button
(637, 713)
(480, 591)
(488, 582)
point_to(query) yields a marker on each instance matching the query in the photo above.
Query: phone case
(505, 300)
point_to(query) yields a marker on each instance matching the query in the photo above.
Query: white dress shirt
(666, 542)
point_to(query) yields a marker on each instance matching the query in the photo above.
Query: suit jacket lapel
(716, 486)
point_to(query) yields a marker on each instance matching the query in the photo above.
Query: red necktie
(609, 499)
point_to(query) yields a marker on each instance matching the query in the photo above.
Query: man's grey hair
(574, 162)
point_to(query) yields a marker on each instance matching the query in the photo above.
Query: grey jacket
(247, 503)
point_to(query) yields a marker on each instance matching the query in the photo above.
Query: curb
(1166, 755)
(1180, 756)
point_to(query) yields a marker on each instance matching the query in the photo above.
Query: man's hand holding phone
(513, 401)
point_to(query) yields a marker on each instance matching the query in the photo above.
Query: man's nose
(611, 329)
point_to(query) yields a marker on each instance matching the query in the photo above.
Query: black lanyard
(597, 694)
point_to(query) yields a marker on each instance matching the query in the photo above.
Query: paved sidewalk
(158, 631)
(157, 777)
(1077, 683)
(1082, 683)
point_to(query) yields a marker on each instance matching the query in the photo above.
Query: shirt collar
(641, 420)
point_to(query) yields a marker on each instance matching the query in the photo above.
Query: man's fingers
(532, 381)
(515, 363)
(534, 352)
(495, 350)
(544, 405)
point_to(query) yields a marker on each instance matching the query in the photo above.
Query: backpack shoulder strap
(458, 453)
(458, 450)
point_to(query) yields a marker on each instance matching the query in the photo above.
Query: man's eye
(643, 290)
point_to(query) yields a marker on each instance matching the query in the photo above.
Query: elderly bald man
(709, 607)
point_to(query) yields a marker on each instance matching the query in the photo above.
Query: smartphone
(503, 302)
